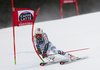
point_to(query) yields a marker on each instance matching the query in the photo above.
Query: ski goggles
(38, 35)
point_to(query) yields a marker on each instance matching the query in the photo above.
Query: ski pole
(70, 51)
(77, 50)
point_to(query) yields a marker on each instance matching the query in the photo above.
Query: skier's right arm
(37, 46)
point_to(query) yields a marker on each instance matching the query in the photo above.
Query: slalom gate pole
(33, 40)
(70, 51)
(77, 8)
(13, 34)
(61, 10)
(14, 45)
(34, 45)
(38, 11)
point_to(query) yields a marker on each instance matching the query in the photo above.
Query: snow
(66, 34)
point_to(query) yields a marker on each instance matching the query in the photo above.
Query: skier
(44, 46)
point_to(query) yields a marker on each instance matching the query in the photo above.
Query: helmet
(38, 31)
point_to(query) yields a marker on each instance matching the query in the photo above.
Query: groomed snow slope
(66, 34)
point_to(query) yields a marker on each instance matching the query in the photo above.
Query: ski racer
(44, 46)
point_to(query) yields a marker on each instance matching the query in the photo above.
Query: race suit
(44, 41)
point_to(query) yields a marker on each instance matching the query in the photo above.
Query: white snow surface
(66, 34)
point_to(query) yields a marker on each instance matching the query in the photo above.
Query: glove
(44, 55)
(39, 52)
(61, 52)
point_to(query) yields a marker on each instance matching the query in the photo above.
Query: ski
(67, 62)
(51, 62)
(42, 64)
(61, 62)
(48, 63)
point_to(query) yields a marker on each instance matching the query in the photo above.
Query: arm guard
(45, 48)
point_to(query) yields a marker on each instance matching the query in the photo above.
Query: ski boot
(72, 58)
(51, 57)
